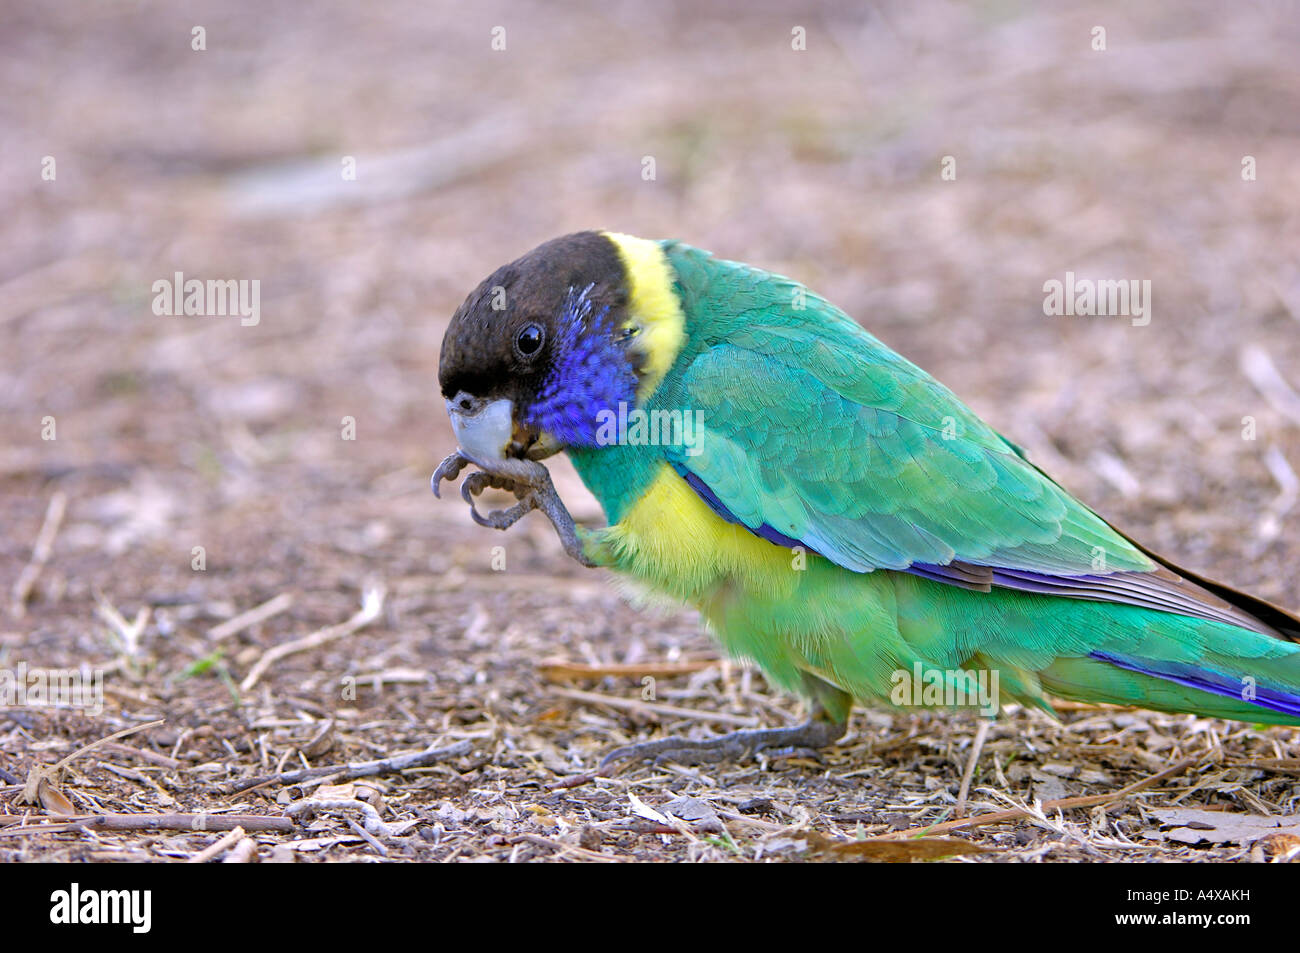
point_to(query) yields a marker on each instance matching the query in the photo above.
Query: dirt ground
(203, 466)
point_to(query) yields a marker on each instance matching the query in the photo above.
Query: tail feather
(1275, 700)
(1095, 651)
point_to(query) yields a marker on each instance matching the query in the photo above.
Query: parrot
(836, 516)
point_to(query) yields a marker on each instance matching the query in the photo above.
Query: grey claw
(529, 481)
(448, 470)
(480, 480)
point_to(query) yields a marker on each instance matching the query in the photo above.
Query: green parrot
(836, 515)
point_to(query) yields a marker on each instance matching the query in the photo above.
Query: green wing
(815, 432)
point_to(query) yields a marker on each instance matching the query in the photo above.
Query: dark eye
(529, 340)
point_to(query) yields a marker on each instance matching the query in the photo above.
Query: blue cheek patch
(590, 374)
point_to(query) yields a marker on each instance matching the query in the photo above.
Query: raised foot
(531, 484)
(735, 746)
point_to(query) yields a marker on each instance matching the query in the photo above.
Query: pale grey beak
(483, 430)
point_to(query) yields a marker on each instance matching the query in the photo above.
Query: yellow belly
(672, 540)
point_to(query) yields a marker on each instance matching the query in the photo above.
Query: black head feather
(515, 336)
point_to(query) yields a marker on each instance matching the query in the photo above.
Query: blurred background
(477, 131)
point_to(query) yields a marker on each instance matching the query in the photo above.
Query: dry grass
(176, 432)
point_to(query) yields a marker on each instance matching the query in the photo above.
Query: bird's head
(546, 343)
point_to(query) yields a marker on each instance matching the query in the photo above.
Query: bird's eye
(529, 340)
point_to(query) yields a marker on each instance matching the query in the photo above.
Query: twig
(144, 754)
(26, 581)
(367, 836)
(1112, 469)
(254, 616)
(245, 852)
(1061, 704)
(581, 852)
(1279, 765)
(372, 604)
(1289, 484)
(139, 777)
(218, 846)
(364, 769)
(1065, 803)
(128, 633)
(374, 823)
(134, 729)
(40, 772)
(148, 822)
(737, 817)
(574, 781)
(1263, 373)
(981, 733)
(59, 828)
(655, 708)
(560, 670)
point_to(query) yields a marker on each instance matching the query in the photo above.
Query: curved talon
(531, 484)
(480, 480)
(448, 470)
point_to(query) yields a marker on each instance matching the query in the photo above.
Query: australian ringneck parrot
(835, 514)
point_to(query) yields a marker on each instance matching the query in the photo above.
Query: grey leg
(817, 732)
(827, 724)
